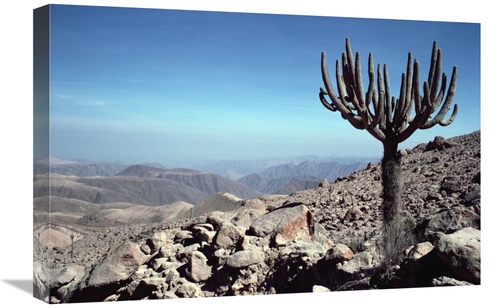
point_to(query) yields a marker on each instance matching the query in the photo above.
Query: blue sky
(188, 87)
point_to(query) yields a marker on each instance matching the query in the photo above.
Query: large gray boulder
(56, 283)
(197, 268)
(109, 274)
(245, 258)
(461, 251)
(289, 222)
(227, 236)
(454, 219)
(118, 265)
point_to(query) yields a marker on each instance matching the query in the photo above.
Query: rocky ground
(322, 239)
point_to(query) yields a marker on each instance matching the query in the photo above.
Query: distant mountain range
(287, 178)
(153, 185)
(81, 168)
(237, 169)
(95, 194)
(205, 182)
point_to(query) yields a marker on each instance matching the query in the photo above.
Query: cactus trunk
(391, 182)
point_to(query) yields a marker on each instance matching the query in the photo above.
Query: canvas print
(183, 153)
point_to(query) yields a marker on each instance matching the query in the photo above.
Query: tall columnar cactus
(390, 120)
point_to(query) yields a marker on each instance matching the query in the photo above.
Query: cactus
(390, 120)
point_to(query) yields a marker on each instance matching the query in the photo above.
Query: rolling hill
(135, 195)
(127, 189)
(208, 183)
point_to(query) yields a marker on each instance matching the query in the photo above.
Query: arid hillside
(321, 239)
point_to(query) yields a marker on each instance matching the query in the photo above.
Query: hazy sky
(182, 87)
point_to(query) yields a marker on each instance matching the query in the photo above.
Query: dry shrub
(397, 236)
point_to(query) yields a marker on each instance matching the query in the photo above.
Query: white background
(16, 148)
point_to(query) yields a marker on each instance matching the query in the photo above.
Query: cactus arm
(344, 82)
(358, 89)
(323, 100)
(381, 100)
(439, 118)
(421, 117)
(416, 87)
(388, 100)
(386, 118)
(378, 107)
(400, 105)
(434, 71)
(451, 118)
(370, 98)
(339, 104)
(405, 101)
(356, 86)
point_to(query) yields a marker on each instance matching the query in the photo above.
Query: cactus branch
(382, 115)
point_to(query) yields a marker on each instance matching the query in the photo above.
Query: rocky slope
(316, 240)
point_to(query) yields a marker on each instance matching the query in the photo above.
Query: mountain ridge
(208, 183)
(274, 179)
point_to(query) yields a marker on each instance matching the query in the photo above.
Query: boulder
(203, 232)
(118, 265)
(245, 258)
(292, 222)
(439, 143)
(110, 273)
(452, 220)
(461, 251)
(158, 239)
(227, 236)
(418, 251)
(167, 251)
(338, 253)
(306, 251)
(146, 287)
(255, 204)
(71, 275)
(197, 268)
(59, 281)
(245, 217)
(350, 270)
(187, 289)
